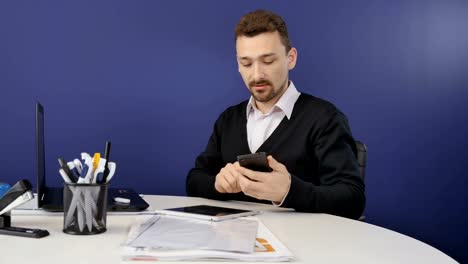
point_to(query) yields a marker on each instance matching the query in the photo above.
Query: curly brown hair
(261, 21)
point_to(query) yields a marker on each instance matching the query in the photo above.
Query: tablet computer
(207, 212)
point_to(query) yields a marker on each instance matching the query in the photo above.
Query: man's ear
(292, 58)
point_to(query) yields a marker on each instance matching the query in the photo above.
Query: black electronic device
(207, 212)
(255, 161)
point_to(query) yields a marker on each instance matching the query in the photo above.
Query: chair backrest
(361, 157)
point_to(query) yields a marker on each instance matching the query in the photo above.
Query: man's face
(264, 65)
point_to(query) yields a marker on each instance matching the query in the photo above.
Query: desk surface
(312, 238)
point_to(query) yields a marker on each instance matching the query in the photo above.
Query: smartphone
(256, 161)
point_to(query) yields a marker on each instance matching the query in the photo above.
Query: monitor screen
(40, 153)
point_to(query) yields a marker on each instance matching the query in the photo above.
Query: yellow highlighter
(96, 159)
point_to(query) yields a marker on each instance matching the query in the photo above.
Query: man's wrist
(285, 195)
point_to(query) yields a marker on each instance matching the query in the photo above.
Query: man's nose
(258, 72)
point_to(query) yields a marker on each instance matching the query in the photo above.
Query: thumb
(275, 165)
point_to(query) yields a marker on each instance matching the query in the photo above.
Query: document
(172, 232)
(267, 247)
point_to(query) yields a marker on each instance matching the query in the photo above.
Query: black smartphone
(256, 161)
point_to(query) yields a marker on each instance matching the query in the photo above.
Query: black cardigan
(315, 145)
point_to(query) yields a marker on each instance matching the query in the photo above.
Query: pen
(78, 165)
(96, 158)
(99, 170)
(74, 169)
(106, 157)
(64, 176)
(65, 169)
(84, 172)
(112, 167)
(88, 166)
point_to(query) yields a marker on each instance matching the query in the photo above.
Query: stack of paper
(164, 238)
(172, 232)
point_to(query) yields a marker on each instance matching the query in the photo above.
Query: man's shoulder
(317, 111)
(235, 111)
(240, 107)
(308, 102)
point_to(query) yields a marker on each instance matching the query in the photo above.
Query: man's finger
(252, 175)
(231, 181)
(274, 164)
(248, 186)
(219, 186)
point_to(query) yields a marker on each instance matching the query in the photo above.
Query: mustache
(259, 82)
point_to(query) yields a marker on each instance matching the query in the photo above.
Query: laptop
(51, 198)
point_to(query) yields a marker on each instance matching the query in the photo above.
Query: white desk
(312, 238)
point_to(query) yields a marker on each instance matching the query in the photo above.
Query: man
(311, 150)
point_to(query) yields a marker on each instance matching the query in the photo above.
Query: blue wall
(152, 76)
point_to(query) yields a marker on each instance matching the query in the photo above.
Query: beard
(265, 95)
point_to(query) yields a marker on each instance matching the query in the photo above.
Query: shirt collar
(285, 103)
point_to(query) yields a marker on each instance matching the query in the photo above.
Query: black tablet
(207, 212)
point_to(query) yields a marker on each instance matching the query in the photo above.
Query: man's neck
(265, 107)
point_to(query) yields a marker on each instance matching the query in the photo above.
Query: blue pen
(99, 176)
(84, 171)
(87, 162)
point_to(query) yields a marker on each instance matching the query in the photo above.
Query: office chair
(362, 158)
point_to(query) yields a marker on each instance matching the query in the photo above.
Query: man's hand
(272, 186)
(227, 179)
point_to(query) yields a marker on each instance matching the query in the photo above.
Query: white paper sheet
(169, 232)
(267, 249)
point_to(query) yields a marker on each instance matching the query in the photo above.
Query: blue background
(153, 76)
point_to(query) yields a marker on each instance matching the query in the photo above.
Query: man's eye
(247, 65)
(269, 61)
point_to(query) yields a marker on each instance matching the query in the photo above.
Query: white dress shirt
(260, 126)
